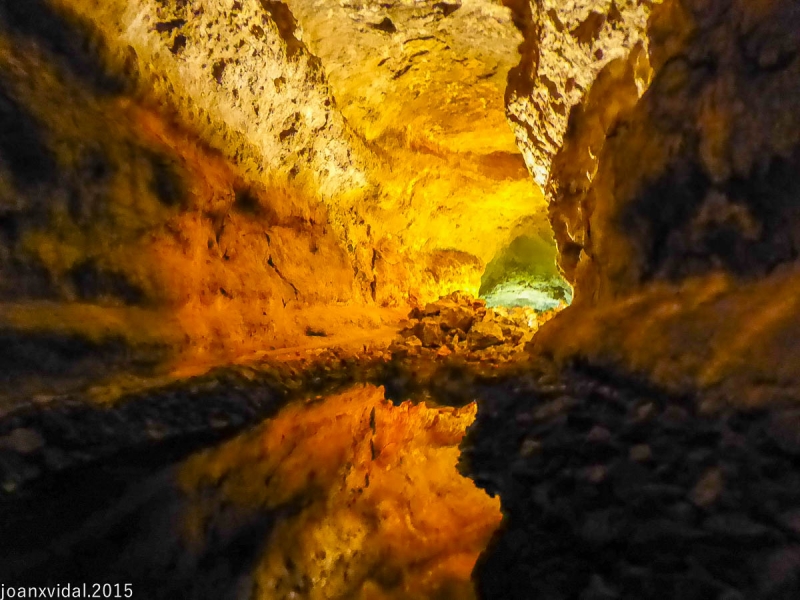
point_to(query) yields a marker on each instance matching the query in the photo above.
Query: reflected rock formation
(371, 501)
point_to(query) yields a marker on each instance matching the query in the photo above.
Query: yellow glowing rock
(232, 167)
(424, 84)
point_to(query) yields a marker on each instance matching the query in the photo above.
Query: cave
(400, 300)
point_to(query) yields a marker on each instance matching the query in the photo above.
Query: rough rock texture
(690, 227)
(179, 175)
(699, 177)
(146, 202)
(566, 45)
(238, 75)
(616, 89)
(458, 326)
(424, 83)
(430, 71)
(613, 491)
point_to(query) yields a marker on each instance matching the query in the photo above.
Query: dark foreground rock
(610, 491)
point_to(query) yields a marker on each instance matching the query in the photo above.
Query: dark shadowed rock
(708, 488)
(22, 440)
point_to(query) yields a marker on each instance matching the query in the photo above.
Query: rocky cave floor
(609, 489)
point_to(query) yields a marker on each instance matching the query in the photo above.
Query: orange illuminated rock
(429, 332)
(457, 317)
(485, 334)
(380, 510)
(215, 177)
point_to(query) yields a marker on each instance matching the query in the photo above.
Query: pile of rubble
(463, 325)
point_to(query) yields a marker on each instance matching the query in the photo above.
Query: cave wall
(239, 76)
(699, 176)
(183, 175)
(220, 174)
(423, 84)
(566, 44)
(688, 230)
(156, 195)
(232, 172)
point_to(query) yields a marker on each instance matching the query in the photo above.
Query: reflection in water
(366, 494)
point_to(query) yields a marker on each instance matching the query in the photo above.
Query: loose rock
(469, 329)
(22, 440)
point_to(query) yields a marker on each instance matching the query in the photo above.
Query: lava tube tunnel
(399, 300)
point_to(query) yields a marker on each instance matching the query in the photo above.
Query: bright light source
(539, 294)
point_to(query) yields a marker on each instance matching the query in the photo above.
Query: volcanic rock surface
(566, 45)
(611, 490)
(424, 83)
(688, 230)
(213, 177)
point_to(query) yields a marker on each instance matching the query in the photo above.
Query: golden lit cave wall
(424, 85)
(556, 94)
(202, 166)
(119, 223)
(688, 231)
(241, 74)
(432, 74)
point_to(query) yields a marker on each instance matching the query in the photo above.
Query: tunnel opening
(525, 274)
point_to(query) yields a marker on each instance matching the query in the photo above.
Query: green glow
(525, 274)
(540, 295)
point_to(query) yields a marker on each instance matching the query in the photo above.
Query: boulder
(435, 308)
(461, 298)
(429, 332)
(485, 334)
(415, 313)
(414, 345)
(457, 317)
(478, 303)
(514, 334)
